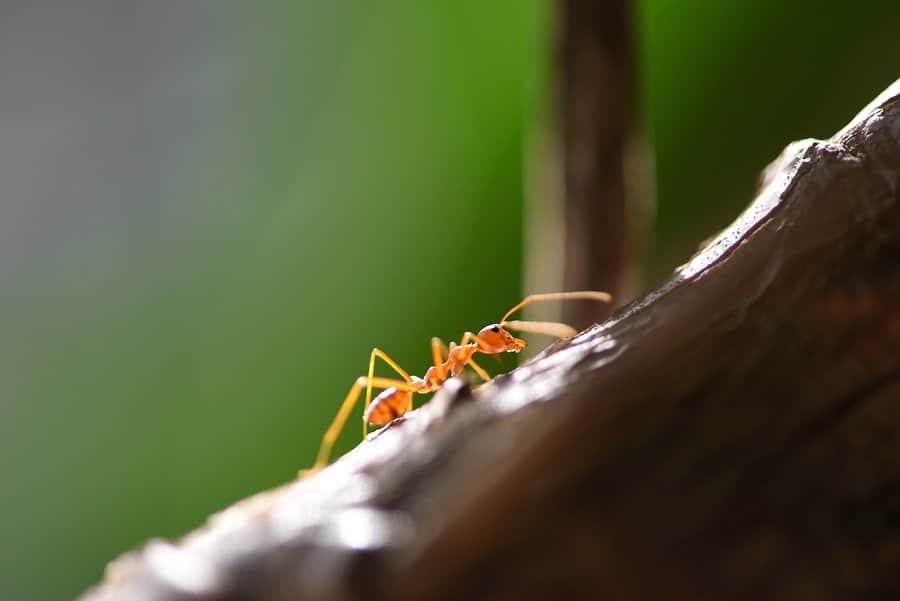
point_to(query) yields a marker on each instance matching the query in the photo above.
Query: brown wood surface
(733, 434)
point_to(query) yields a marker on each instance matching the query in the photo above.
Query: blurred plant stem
(595, 116)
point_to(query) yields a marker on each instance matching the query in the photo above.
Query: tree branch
(735, 433)
(595, 81)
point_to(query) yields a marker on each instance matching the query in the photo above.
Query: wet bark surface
(733, 434)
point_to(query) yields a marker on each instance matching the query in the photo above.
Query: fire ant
(396, 397)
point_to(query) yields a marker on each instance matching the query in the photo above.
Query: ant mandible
(396, 397)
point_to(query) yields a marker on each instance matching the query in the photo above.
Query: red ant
(396, 397)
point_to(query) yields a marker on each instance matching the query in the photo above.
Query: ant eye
(495, 329)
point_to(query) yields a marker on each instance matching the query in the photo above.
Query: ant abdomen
(390, 404)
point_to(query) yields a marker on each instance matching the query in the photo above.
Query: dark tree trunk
(596, 100)
(733, 434)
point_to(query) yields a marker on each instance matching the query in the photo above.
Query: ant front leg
(467, 337)
(479, 370)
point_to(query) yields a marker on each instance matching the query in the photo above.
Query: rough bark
(733, 434)
(595, 89)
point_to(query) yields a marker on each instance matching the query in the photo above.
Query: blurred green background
(210, 212)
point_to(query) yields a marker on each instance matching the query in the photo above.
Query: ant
(396, 397)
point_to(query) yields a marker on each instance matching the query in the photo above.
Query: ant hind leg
(377, 352)
(337, 424)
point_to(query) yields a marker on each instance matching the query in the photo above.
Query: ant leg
(478, 370)
(469, 336)
(550, 328)
(377, 352)
(581, 294)
(446, 351)
(439, 350)
(337, 424)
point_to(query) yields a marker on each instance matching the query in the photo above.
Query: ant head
(495, 339)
